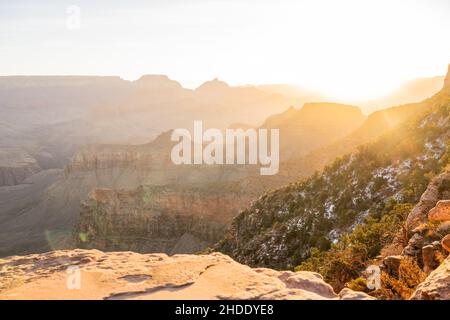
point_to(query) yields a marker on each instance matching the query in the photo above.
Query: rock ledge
(129, 275)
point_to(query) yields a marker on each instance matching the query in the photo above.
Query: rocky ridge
(283, 226)
(437, 285)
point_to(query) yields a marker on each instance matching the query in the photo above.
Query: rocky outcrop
(391, 264)
(436, 286)
(92, 274)
(155, 219)
(430, 254)
(432, 206)
(15, 166)
(424, 245)
(441, 212)
(436, 190)
(414, 247)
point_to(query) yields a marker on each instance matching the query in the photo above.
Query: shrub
(410, 275)
(346, 259)
(358, 284)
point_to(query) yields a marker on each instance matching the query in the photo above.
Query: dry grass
(410, 275)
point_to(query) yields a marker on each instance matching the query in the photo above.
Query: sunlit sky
(347, 48)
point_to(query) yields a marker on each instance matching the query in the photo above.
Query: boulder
(429, 262)
(348, 294)
(310, 281)
(418, 214)
(391, 264)
(414, 247)
(446, 242)
(441, 212)
(436, 286)
(428, 200)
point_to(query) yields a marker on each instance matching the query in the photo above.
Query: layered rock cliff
(15, 166)
(156, 219)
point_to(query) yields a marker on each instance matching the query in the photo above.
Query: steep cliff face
(156, 219)
(15, 166)
(49, 216)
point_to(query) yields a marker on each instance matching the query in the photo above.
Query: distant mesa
(330, 107)
(316, 111)
(213, 85)
(157, 81)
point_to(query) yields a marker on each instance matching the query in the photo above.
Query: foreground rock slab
(92, 274)
(436, 286)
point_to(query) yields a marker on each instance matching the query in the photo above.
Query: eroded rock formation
(441, 213)
(437, 190)
(15, 166)
(433, 206)
(436, 286)
(155, 219)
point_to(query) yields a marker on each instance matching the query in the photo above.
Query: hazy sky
(349, 48)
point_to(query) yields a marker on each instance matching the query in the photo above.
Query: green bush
(346, 259)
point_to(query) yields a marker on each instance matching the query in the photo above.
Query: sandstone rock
(419, 214)
(436, 286)
(438, 248)
(441, 212)
(446, 242)
(155, 219)
(429, 263)
(391, 264)
(292, 294)
(310, 281)
(414, 247)
(129, 275)
(348, 294)
(304, 281)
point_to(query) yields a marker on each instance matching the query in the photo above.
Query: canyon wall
(155, 219)
(15, 166)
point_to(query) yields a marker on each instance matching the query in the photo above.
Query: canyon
(60, 192)
(50, 213)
